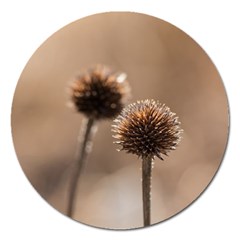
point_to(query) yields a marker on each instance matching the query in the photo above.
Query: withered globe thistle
(148, 129)
(100, 93)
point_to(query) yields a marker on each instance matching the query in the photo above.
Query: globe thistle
(100, 93)
(148, 129)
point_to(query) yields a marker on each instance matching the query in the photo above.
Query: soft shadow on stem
(84, 147)
(146, 189)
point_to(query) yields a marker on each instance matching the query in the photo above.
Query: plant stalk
(84, 142)
(146, 189)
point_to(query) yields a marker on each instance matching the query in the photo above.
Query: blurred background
(162, 63)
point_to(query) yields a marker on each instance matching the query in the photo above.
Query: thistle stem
(84, 140)
(146, 189)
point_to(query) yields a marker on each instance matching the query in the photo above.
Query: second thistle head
(147, 129)
(100, 93)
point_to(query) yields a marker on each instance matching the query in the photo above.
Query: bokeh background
(162, 63)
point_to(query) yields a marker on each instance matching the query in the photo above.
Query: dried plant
(98, 94)
(148, 129)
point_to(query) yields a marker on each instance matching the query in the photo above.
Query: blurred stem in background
(84, 147)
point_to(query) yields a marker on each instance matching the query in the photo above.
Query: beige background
(162, 63)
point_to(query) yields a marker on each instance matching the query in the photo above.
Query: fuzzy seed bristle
(100, 93)
(147, 128)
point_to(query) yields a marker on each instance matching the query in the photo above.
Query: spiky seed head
(147, 128)
(100, 93)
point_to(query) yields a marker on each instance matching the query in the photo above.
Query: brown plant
(99, 93)
(148, 129)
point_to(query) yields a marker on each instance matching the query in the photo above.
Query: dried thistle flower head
(100, 93)
(148, 129)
